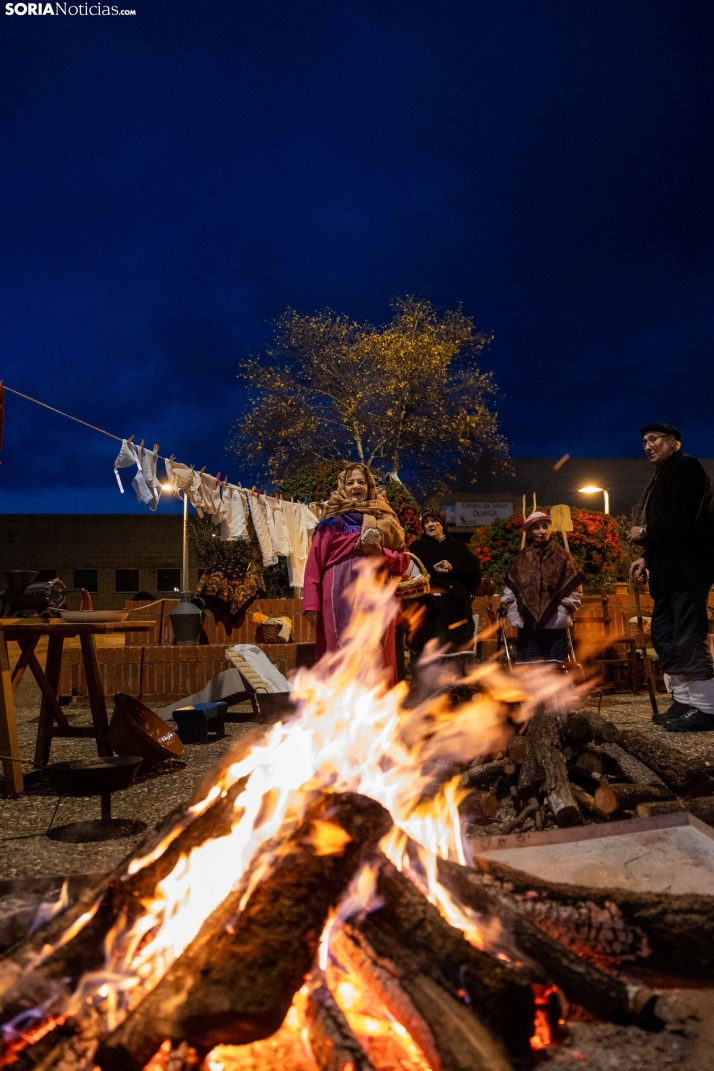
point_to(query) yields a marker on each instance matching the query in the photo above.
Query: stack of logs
(579, 767)
(466, 1009)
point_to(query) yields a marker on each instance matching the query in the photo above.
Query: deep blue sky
(171, 182)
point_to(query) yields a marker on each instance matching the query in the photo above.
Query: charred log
(500, 996)
(235, 982)
(671, 932)
(581, 981)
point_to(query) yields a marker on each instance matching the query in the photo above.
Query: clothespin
(141, 445)
(156, 448)
(130, 438)
(201, 471)
(218, 477)
(252, 490)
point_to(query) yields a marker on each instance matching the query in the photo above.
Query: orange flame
(351, 732)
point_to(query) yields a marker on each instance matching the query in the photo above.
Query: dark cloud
(171, 182)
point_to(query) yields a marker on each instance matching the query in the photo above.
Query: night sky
(170, 182)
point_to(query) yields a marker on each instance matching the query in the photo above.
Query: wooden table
(27, 634)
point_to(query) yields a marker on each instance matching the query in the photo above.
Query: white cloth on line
(277, 527)
(259, 516)
(259, 661)
(145, 483)
(299, 522)
(178, 476)
(234, 523)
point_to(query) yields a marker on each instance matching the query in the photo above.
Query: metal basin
(93, 777)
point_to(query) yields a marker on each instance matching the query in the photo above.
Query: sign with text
(475, 514)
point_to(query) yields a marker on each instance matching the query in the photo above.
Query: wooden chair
(600, 623)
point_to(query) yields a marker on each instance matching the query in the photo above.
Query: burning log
(581, 981)
(234, 983)
(448, 1034)
(687, 776)
(672, 932)
(544, 736)
(122, 893)
(500, 996)
(615, 798)
(332, 1042)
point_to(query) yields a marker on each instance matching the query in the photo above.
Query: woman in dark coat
(454, 575)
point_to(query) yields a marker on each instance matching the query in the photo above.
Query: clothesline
(279, 531)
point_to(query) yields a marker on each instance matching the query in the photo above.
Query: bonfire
(315, 906)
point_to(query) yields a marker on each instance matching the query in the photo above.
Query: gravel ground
(30, 854)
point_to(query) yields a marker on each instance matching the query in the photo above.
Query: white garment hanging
(259, 515)
(145, 483)
(178, 476)
(233, 525)
(211, 496)
(300, 522)
(277, 526)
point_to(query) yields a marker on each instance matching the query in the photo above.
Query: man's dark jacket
(679, 513)
(465, 575)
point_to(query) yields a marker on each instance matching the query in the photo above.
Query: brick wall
(105, 542)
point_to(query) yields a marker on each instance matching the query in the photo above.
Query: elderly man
(676, 532)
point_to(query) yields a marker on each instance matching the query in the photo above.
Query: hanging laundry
(211, 497)
(145, 483)
(178, 476)
(277, 527)
(259, 516)
(299, 522)
(234, 524)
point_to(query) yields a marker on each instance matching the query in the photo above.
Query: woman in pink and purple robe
(338, 547)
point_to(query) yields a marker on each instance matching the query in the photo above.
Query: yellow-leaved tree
(408, 394)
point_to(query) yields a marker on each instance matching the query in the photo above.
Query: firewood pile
(256, 959)
(564, 769)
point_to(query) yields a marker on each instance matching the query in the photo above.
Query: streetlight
(591, 490)
(184, 548)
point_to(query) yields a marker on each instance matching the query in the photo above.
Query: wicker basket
(415, 586)
(270, 633)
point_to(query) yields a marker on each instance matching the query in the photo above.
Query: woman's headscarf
(376, 510)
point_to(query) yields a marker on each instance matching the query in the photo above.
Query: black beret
(664, 429)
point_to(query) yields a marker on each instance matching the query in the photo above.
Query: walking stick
(649, 672)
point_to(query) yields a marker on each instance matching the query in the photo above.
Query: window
(168, 580)
(86, 578)
(126, 581)
(44, 575)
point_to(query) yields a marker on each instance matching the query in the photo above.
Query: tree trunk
(234, 983)
(687, 776)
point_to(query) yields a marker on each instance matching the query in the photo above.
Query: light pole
(184, 547)
(591, 490)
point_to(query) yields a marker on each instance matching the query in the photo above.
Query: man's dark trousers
(679, 630)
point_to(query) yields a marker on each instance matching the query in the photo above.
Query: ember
(208, 937)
